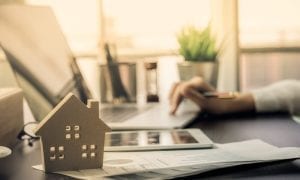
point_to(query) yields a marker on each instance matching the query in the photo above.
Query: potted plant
(198, 48)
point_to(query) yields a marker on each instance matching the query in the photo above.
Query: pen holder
(118, 83)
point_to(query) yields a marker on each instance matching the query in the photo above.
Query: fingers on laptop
(200, 84)
(190, 89)
(175, 97)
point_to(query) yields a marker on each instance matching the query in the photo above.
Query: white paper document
(167, 164)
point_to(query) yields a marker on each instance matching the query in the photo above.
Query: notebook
(39, 53)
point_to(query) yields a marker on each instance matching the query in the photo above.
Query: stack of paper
(177, 163)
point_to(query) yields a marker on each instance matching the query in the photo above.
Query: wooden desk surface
(276, 129)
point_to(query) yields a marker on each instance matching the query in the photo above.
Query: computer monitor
(38, 52)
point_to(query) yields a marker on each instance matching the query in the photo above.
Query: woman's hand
(194, 89)
(190, 89)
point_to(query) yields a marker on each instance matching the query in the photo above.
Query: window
(61, 156)
(79, 21)
(61, 148)
(70, 131)
(68, 128)
(135, 26)
(93, 146)
(142, 26)
(269, 23)
(56, 152)
(77, 135)
(52, 149)
(93, 155)
(68, 136)
(88, 151)
(84, 147)
(76, 128)
(84, 155)
(52, 157)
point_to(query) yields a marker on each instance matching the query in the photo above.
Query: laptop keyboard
(120, 113)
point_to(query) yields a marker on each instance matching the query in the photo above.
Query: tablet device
(156, 140)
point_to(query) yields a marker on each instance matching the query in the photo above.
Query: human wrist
(243, 102)
(239, 103)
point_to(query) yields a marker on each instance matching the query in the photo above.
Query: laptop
(46, 70)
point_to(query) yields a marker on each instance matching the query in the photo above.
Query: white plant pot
(207, 70)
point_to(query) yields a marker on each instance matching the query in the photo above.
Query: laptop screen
(37, 50)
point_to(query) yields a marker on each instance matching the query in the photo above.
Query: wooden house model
(72, 136)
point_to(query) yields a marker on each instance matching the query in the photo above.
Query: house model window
(83, 147)
(77, 136)
(68, 128)
(68, 136)
(73, 121)
(56, 153)
(74, 131)
(76, 128)
(88, 151)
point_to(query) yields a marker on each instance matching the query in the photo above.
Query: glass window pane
(265, 23)
(79, 21)
(143, 25)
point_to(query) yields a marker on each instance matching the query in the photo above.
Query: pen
(220, 95)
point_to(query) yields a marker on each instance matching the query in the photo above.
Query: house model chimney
(93, 105)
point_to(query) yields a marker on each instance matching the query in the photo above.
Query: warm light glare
(79, 21)
(269, 22)
(152, 24)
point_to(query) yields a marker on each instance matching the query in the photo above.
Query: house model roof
(71, 101)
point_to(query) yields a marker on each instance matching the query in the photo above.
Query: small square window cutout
(93, 155)
(77, 136)
(68, 128)
(84, 155)
(92, 146)
(52, 157)
(68, 136)
(52, 149)
(61, 148)
(84, 147)
(76, 128)
(61, 156)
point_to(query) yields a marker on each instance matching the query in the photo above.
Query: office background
(258, 34)
(258, 42)
(151, 33)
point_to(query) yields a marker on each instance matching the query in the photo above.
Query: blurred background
(262, 36)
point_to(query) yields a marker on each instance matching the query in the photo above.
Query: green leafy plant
(197, 44)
